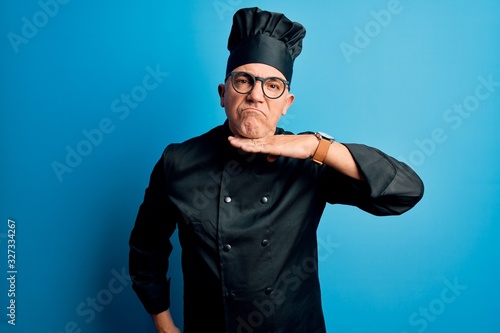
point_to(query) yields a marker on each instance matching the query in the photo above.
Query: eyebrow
(263, 77)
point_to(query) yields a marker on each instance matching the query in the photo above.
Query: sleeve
(390, 186)
(150, 245)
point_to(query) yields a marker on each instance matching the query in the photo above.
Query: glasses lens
(273, 87)
(243, 82)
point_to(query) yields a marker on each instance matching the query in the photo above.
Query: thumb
(272, 158)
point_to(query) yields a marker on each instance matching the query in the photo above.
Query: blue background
(394, 82)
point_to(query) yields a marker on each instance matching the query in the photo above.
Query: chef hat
(259, 36)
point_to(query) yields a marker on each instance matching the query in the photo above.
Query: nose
(257, 92)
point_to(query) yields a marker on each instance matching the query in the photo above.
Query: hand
(172, 329)
(294, 146)
(164, 323)
(300, 146)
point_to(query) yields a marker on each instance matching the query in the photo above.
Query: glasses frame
(255, 79)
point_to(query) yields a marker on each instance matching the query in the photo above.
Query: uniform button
(226, 248)
(227, 199)
(264, 200)
(268, 291)
(264, 242)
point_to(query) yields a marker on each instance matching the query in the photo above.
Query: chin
(251, 130)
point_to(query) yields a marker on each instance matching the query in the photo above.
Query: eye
(274, 84)
(243, 79)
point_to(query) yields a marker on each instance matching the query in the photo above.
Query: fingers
(249, 145)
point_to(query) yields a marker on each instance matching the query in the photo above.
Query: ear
(288, 102)
(222, 92)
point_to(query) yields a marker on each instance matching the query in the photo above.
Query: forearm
(340, 159)
(385, 175)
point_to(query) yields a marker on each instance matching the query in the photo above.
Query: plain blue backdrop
(91, 92)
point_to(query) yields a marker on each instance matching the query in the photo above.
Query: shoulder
(280, 130)
(194, 150)
(198, 142)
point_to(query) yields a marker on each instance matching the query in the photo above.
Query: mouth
(253, 110)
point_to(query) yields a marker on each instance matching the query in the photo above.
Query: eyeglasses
(243, 83)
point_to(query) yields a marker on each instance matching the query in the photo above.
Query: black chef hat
(259, 36)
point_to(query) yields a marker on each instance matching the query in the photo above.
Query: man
(247, 198)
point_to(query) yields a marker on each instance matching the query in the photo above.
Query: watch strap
(322, 149)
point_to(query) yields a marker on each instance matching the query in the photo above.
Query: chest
(244, 194)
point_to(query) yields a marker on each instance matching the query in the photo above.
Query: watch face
(326, 136)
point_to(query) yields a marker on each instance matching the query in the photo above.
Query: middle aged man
(247, 198)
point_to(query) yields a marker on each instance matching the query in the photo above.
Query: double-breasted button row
(268, 291)
(227, 247)
(263, 200)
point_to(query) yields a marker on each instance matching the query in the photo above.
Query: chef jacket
(247, 229)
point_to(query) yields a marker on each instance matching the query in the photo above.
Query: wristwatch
(325, 141)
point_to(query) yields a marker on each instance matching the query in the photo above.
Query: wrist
(324, 141)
